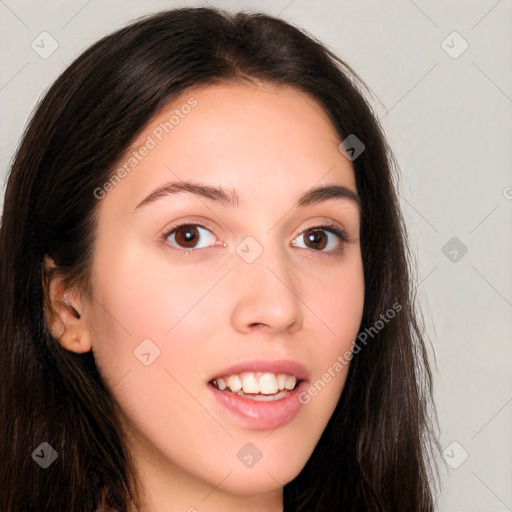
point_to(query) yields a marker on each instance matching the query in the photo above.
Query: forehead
(251, 105)
(231, 115)
(241, 136)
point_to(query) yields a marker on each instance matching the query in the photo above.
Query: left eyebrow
(229, 196)
(323, 193)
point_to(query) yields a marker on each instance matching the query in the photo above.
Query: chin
(260, 480)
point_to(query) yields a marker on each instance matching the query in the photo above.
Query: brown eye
(190, 236)
(186, 236)
(328, 239)
(315, 239)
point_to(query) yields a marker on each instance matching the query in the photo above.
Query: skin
(209, 309)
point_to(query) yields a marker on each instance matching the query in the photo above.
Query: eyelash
(329, 227)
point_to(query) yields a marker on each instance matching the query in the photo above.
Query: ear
(65, 313)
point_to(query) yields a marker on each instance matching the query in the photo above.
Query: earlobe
(64, 314)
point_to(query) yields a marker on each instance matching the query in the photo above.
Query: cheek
(338, 302)
(148, 331)
(146, 297)
(145, 310)
(341, 303)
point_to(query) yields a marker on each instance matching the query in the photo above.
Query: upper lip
(285, 366)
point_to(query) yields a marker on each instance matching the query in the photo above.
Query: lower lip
(261, 415)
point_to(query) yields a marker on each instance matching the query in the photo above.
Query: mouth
(260, 394)
(261, 380)
(257, 386)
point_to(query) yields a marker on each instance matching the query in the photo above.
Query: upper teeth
(250, 382)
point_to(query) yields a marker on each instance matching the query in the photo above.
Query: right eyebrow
(220, 194)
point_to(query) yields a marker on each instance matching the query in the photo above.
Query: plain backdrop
(441, 76)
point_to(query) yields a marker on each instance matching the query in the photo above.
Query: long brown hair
(377, 451)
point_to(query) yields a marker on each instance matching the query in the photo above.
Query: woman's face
(250, 288)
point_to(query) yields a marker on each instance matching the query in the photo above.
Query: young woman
(205, 298)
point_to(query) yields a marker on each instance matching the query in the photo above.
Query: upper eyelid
(168, 230)
(204, 225)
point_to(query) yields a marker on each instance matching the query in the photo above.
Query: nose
(266, 295)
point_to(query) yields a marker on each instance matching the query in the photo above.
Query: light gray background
(449, 123)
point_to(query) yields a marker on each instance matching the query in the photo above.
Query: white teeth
(281, 381)
(268, 384)
(234, 383)
(290, 382)
(250, 384)
(255, 383)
